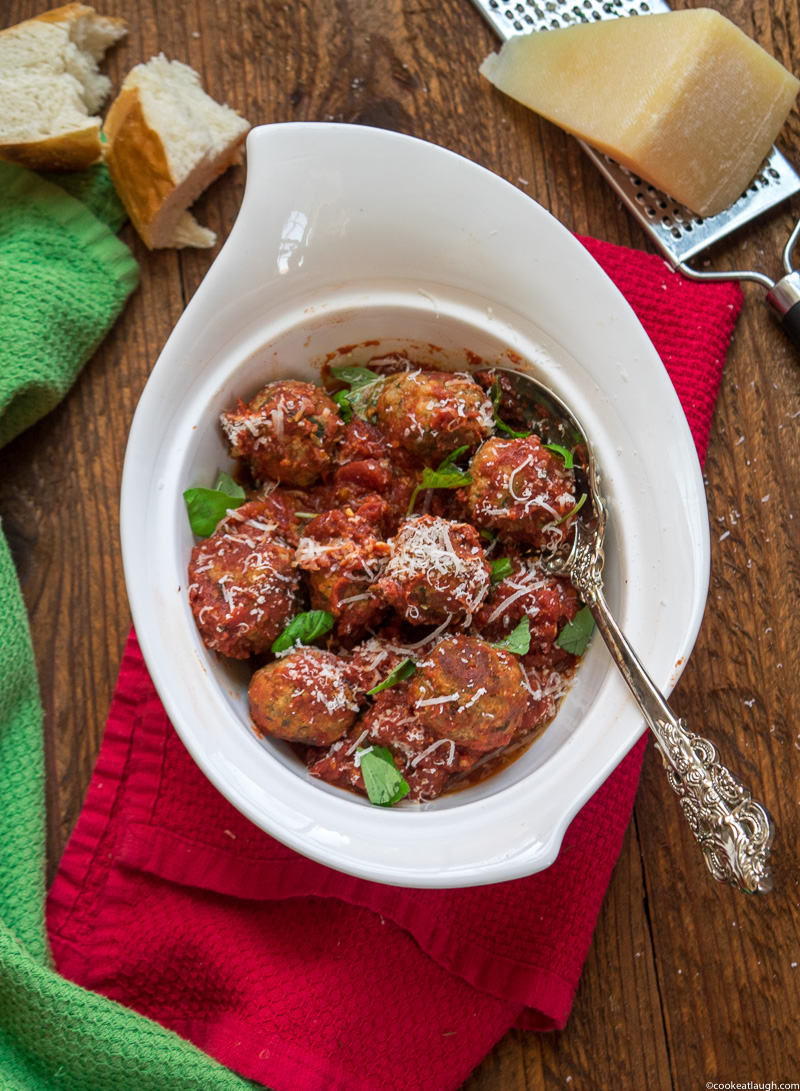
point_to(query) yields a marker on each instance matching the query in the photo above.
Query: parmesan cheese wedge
(685, 99)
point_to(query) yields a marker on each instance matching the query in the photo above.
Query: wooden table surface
(688, 983)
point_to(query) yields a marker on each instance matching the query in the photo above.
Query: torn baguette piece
(167, 141)
(684, 99)
(50, 87)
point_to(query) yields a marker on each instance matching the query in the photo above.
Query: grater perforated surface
(677, 231)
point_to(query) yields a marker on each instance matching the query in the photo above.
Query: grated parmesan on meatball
(343, 554)
(243, 588)
(287, 432)
(303, 697)
(470, 692)
(522, 490)
(437, 571)
(433, 413)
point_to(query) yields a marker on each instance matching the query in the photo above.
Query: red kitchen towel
(172, 903)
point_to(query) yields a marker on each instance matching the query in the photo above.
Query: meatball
(548, 602)
(343, 553)
(426, 763)
(371, 662)
(522, 490)
(243, 588)
(437, 571)
(431, 414)
(364, 464)
(291, 509)
(469, 692)
(304, 697)
(356, 609)
(287, 432)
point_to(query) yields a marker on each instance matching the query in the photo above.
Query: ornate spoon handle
(734, 830)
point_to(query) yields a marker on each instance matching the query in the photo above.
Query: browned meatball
(371, 662)
(437, 571)
(433, 413)
(342, 554)
(548, 602)
(304, 697)
(287, 432)
(426, 763)
(243, 588)
(469, 692)
(522, 490)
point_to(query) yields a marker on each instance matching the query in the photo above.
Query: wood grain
(686, 982)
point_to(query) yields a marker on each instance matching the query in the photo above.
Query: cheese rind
(684, 99)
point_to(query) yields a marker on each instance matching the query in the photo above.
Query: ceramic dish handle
(734, 831)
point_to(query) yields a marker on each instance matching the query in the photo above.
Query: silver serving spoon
(734, 831)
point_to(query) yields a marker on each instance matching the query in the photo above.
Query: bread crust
(137, 163)
(64, 14)
(70, 12)
(139, 167)
(75, 150)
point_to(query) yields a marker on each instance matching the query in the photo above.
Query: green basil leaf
(303, 629)
(571, 512)
(500, 569)
(363, 398)
(566, 454)
(489, 535)
(226, 484)
(354, 376)
(518, 640)
(449, 479)
(384, 782)
(498, 423)
(434, 479)
(575, 635)
(206, 507)
(342, 400)
(454, 456)
(399, 674)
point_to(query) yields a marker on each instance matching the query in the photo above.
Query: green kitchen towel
(93, 188)
(64, 278)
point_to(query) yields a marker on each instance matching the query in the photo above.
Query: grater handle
(791, 324)
(784, 298)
